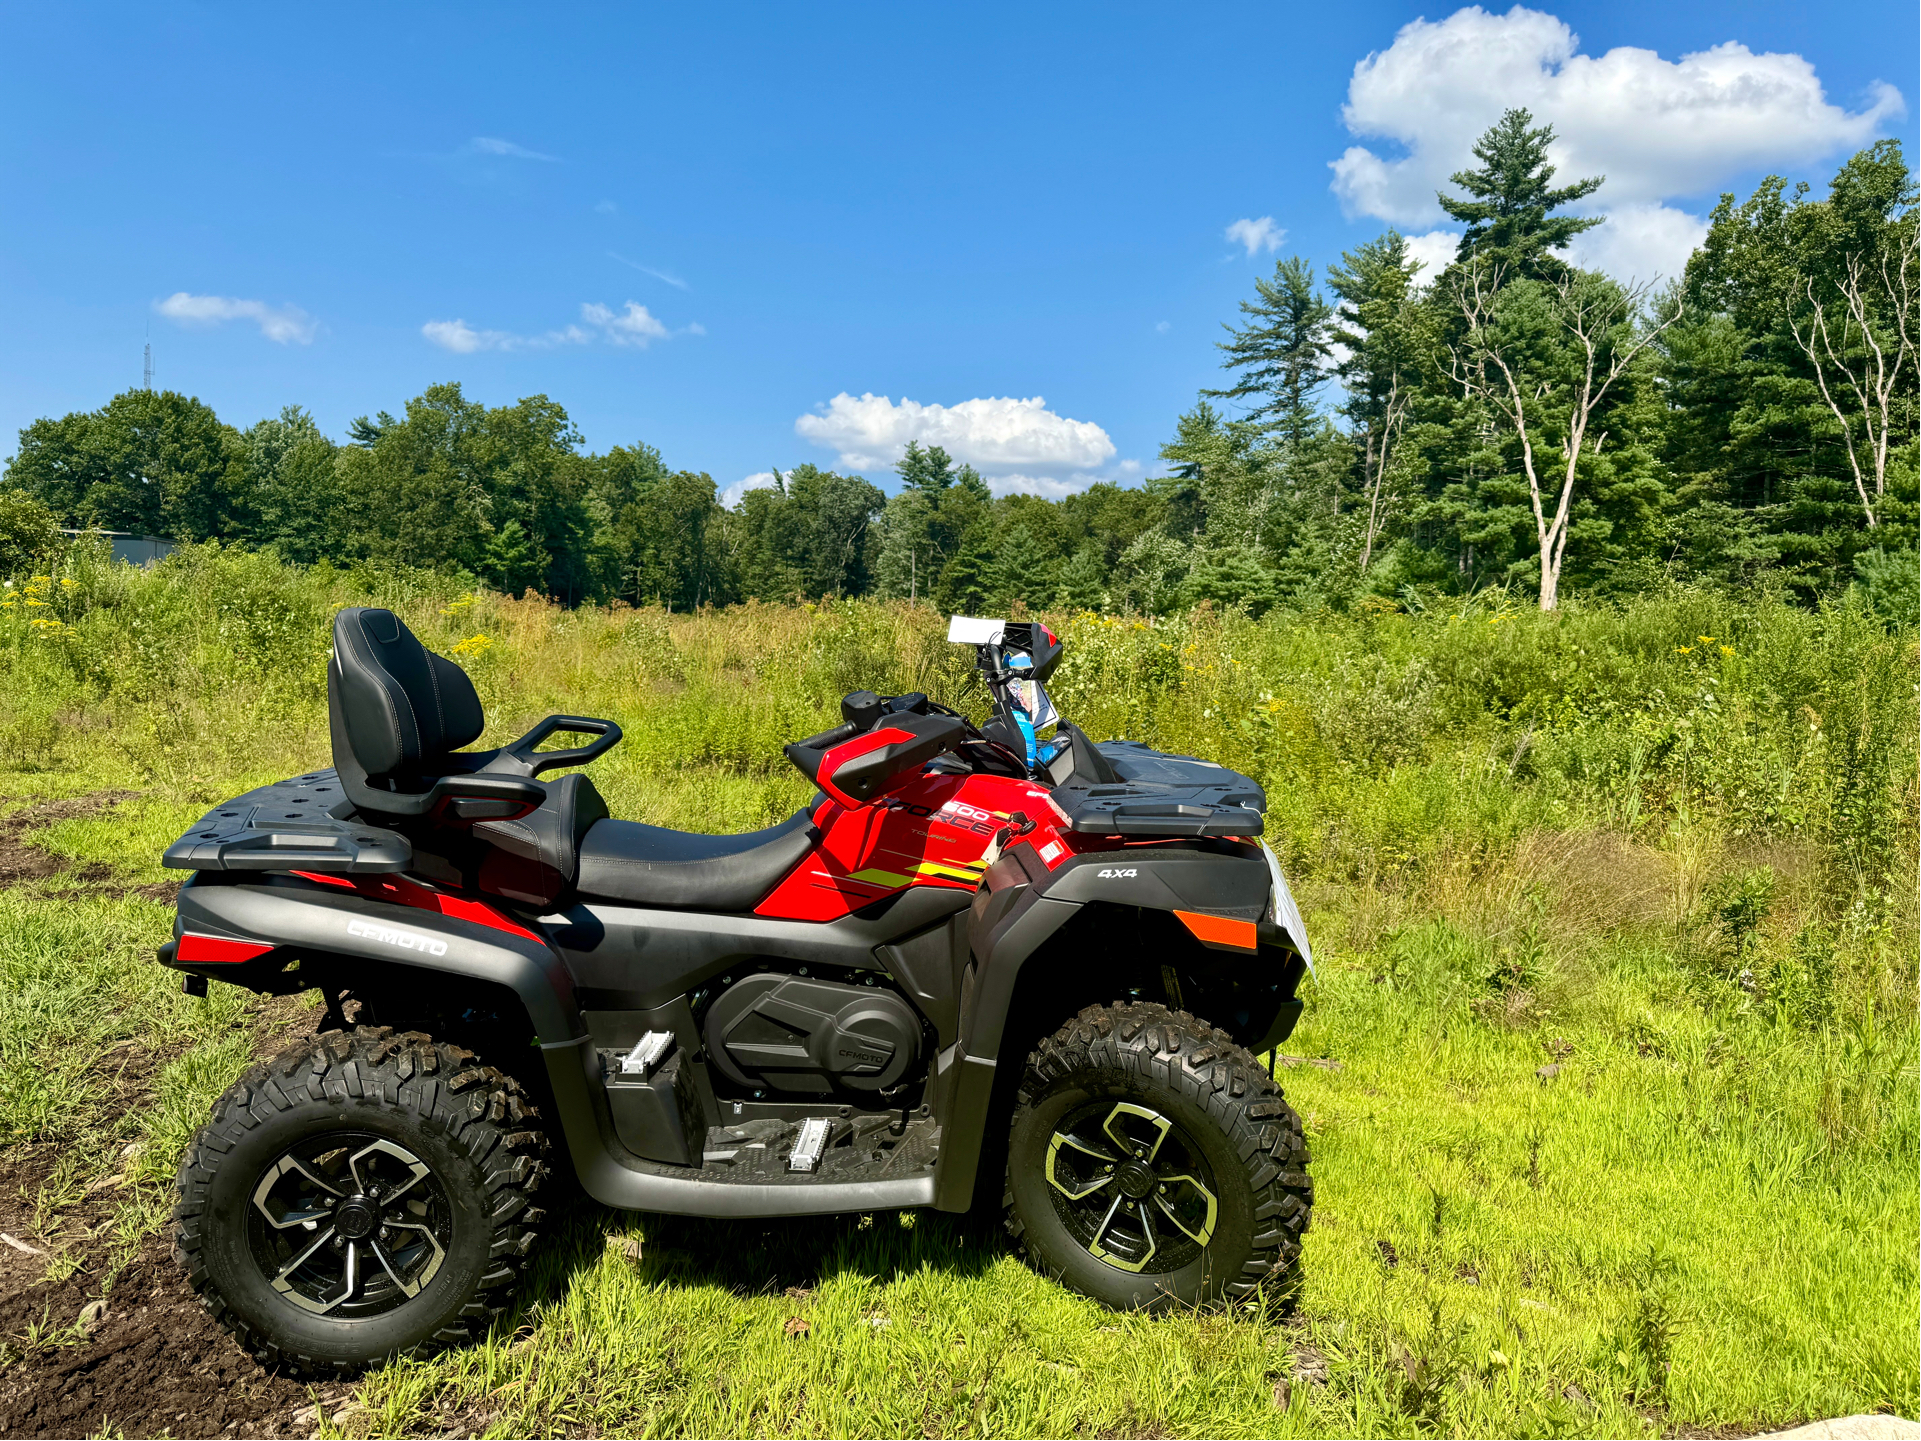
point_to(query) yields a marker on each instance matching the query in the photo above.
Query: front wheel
(361, 1196)
(1152, 1163)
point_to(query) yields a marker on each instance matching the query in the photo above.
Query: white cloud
(606, 207)
(759, 480)
(1435, 250)
(488, 145)
(1163, 327)
(278, 323)
(1003, 438)
(673, 280)
(461, 338)
(1640, 242)
(635, 325)
(1257, 235)
(1657, 129)
(632, 326)
(1041, 485)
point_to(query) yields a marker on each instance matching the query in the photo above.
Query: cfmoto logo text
(1110, 875)
(388, 936)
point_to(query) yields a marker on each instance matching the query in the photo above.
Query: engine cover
(790, 1033)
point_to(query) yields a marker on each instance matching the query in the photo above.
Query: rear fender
(249, 931)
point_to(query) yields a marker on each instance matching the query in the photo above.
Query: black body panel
(806, 1036)
(322, 925)
(626, 958)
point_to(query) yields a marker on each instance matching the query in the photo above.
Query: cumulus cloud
(1655, 128)
(1640, 242)
(634, 325)
(461, 338)
(1257, 235)
(283, 323)
(1004, 438)
(489, 145)
(759, 480)
(1047, 487)
(1435, 250)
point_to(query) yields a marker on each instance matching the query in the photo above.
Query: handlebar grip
(827, 738)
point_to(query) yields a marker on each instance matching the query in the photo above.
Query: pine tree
(512, 563)
(1281, 353)
(1082, 584)
(1509, 221)
(930, 470)
(967, 579)
(1024, 569)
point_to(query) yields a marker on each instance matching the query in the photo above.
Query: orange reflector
(1220, 930)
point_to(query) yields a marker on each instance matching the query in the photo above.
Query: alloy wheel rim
(1131, 1187)
(349, 1225)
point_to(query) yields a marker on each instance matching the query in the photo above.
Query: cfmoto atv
(993, 960)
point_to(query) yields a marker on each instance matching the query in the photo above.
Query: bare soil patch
(20, 862)
(151, 1362)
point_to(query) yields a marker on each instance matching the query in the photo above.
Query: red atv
(982, 961)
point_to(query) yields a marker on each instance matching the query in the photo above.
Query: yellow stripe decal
(881, 878)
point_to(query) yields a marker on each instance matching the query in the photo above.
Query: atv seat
(651, 866)
(399, 715)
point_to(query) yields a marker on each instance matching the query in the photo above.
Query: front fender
(1221, 896)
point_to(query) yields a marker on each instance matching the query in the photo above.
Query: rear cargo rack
(303, 824)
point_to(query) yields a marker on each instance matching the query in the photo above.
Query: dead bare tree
(1379, 456)
(1589, 316)
(1865, 362)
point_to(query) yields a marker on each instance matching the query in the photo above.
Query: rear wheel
(1151, 1162)
(361, 1196)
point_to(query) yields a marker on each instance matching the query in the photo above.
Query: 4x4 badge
(1113, 875)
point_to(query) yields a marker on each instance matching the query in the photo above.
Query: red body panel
(933, 829)
(401, 891)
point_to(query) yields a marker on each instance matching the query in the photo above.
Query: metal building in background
(145, 551)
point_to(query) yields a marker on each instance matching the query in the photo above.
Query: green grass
(1668, 849)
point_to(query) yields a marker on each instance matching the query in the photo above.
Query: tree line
(1512, 420)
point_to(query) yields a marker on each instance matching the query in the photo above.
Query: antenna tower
(146, 370)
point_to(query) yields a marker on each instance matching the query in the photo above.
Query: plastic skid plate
(1163, 795)
(299, 824)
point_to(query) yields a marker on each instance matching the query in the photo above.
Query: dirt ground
(153, 1363)
(22, 864)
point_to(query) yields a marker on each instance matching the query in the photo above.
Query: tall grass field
(1609, 1069)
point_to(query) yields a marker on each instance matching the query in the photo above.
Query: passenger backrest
(399, 707)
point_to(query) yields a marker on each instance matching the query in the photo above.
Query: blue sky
(697, 227)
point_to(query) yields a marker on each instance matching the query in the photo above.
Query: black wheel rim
(1131, 1187)
(349, 1225)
